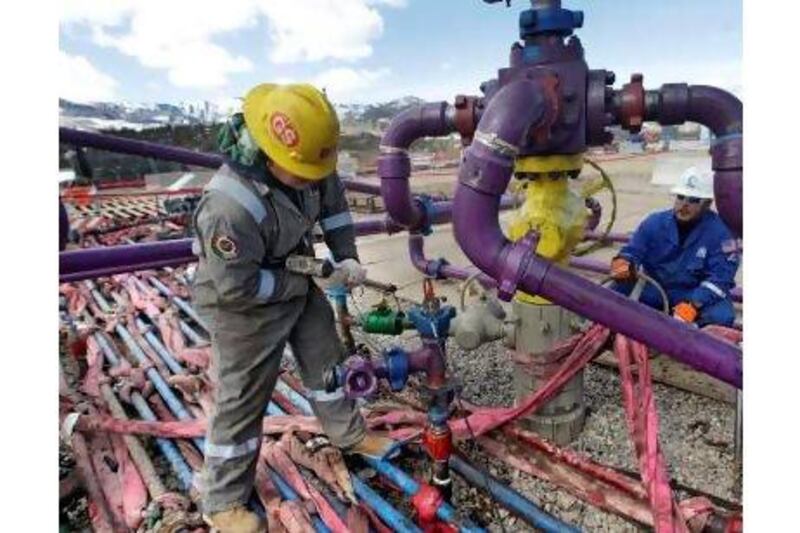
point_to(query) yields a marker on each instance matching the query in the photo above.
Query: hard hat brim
(253, 115)
(693, 193)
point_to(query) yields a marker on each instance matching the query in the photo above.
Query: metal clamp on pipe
(515, 264)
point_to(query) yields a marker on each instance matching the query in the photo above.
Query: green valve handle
(382, 321)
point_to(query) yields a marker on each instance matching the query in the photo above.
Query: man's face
(689, 209)
(287, 178)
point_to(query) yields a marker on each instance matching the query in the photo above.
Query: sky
(366, 51)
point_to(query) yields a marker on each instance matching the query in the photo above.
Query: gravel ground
(696, 434)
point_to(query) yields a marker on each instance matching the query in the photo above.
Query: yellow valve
(555, 211)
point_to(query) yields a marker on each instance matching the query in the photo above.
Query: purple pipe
(602, 267)
(82, 264)
(721, 112)
(439, 268)
(113, 143)
(484, 175)
(394, 166)
(89, 263)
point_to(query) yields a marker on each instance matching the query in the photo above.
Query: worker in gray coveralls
(277, 182)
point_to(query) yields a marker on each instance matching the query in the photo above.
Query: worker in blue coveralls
(689, 251)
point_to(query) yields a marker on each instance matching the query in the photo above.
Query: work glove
(622, 269)
(354, 273)
(348, 273)
(685, 312)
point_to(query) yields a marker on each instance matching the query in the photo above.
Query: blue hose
(384, 509)
(511, 499)
(288, 493)
(408, 485)
(170, 451)
(174, 366)
(179, 302)
(397, 476)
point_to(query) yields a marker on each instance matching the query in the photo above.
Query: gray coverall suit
(254, 307)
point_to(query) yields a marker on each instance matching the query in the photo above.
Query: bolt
(610, 77)
(527, 18)
(637, 78)
(461, 101)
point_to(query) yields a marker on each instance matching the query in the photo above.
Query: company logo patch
(284, 130)
(691, 182)
(702, 252)
(224, 247)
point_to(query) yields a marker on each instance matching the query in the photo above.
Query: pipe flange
(515, 264)
(397, 367)
(596, 104)
(359, 379)
(632, 104)
(466, 117)
(435, 266)
(425, 203)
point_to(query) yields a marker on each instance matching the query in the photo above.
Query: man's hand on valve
(622, 269)
(685, 312)
(347, 272)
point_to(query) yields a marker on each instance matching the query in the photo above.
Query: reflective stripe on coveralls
(336, 221)
(266, 285)
(228, 186)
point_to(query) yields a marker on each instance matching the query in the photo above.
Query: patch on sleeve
(224, 247)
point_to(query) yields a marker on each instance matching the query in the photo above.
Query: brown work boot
(373, 445)
(235, 520)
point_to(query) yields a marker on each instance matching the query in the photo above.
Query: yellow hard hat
(296, 126)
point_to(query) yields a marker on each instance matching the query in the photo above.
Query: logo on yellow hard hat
(283, 129)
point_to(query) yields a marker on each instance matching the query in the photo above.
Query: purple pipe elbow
(439, 268)
(394, 166)
(718, 110)
(721, 112)
(484, 175)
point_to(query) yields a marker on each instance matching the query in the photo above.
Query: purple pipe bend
(394, 166)
(721, 112)
(484, 175)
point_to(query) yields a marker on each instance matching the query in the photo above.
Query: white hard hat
(695, 183)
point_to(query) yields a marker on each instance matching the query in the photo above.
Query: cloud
(80, 81)
(179, 37)
(343, 83)
(313, 30)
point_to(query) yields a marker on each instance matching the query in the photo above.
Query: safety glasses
(689, 199)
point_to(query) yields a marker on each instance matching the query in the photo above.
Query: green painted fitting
(383, 321)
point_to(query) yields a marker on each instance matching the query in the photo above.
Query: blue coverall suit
(700, 270)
